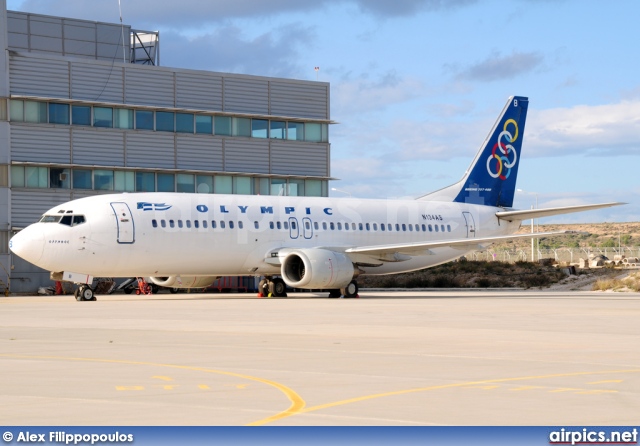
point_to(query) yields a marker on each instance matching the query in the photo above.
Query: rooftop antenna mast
(122, 29)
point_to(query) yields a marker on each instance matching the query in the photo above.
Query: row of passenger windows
(143, 181)
(292, 225)
(164, 121)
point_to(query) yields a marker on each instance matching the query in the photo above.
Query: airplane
(181, 240)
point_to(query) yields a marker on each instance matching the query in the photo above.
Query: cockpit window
(72, 220)
(50, 219)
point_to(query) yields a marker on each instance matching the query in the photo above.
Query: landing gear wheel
(85, 293)
(278, 288)
(334, 294)
(263, 288)
(174, 290)
(350, 290)
(77, 294)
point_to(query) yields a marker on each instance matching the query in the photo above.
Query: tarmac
(388, 358)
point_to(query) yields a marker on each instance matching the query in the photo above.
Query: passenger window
(231, 225)
(410, 227)
(213, 224)
(368, 227)
(222, 224)
(442, 227)
(398, 227)
(293, 225)
(389, 227)
(339, 226)
(196, 224)
(360, 226)
(375, 226)
(154, 223)
(270, 225)
(172, 224)
(286, 225)
(307, 225)
(382, 227)
(324, 225)
(436, 226)
(424, 228)
(278, 225)
(240, 226)
(404, 227)
(180, 223)
(315, 225)
(163, 223)
(448, 228)
(204, 224)
(256, 225)
(188, 222)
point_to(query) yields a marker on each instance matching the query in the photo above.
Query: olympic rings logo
(503, 162)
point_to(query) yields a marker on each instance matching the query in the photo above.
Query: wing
(399, 252)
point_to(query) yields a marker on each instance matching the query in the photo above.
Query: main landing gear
(351, 290)
(270, 287)
(84, 293)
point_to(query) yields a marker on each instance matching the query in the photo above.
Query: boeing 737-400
(188, 240)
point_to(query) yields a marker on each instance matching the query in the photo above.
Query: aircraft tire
(351, 290)
(86, 293)
(77, 294)
(279, 288)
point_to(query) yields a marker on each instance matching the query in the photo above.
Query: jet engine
(184, 281)
(317, 268)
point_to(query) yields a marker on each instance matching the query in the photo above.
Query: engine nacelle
(317, 268)
(184, 281)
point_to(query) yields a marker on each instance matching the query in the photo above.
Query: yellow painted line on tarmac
(607, 381)
(596, 391)
(445, 386)
(564, 389)
(297, 403)
(164, 378)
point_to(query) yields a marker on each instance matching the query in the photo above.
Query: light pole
(533, 257)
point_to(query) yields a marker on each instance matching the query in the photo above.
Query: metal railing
(570, 255)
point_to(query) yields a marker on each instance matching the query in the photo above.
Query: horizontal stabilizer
(528, 214)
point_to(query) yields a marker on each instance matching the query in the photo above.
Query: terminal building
(86, 109)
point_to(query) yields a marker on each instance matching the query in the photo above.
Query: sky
(417, 84)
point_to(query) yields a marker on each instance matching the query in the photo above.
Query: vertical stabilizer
(491, 179)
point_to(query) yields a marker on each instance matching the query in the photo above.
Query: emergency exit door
(124, 222)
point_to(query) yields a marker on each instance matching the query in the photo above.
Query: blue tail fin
(491, 179)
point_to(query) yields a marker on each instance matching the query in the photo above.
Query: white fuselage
(161, 234)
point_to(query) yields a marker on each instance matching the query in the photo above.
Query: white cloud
(599, 130)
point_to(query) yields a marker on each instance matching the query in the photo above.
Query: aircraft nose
(28, 244)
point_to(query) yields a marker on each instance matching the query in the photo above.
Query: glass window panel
(81, 115)
(325, 132)
(165, 121)
(241, 127)
(278, 130)
(295, 188)
(103, 179)
(145, 182)
(59, 178)
(313, 188)
(223, 184)
(184, 122)
(265, 186)
(223, 125)
(144, 119)
(204, 184)
(82, 179)
(3, 109)
(204, 124)
(124, 181)
(166, 182)
(58, 113)
(103, 117)
(17, 176)
(259, 128)
(123, 118)
(313, 132)
(17, 110)
(37, 177)
(185, 182)
(278, 186)
(242, 185)
(295, 131)
(35, 111)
